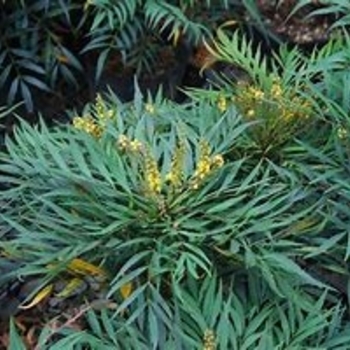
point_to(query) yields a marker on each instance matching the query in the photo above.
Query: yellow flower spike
(250, 113)
(135, 146)
(176, 174)
(288, 115)
(152, 175)
(222, 104)
(123, 142)
(204, 149)
(276, 90)
(43, 293)
(217, 161)
(203, 167)
(169, 177)
(195, 185)
(78, 122)
(342, 133)
(82, 267)
(101, 110)
(149, 108)
(209, 341)
(95, 130)
(258, 94)
(88, 125)
(110, 114)
(126, 144)
(100, 105)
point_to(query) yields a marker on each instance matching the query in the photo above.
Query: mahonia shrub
(138, 205)
(274, 94)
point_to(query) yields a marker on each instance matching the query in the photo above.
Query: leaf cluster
(46, 46)
(244, 250)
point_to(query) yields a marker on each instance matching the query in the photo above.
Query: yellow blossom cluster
(342, 132)
(176, 175)
(276, 90)
(149, 108)
(152, 175)
(277, 103)
(206, 164)
(94, 127)
(222, 104)
(127, 144)
(174, 180)
(282, 111)
(103, 113)
(148, 164)
(209, 342)
(88, 125)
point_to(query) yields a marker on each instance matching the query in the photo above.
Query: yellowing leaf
(126, 290)
(84, 268)
(62, 59)
(70, 288)
(229, 23)
(176, 36)
(39, 297)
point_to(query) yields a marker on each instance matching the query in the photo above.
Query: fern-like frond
(237, 50)
(165, 17)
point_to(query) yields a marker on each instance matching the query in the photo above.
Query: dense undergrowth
(54, 51)
(219, 223)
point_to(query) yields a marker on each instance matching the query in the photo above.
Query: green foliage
(33, 52)
(339, 9)
(15, 339)
(272, 93)
(118, 195)
(207, 314)
(141, 30)
(203, 241)
(45, 45)
(5, 112)
(141, 190)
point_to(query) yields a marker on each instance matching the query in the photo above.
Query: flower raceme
(206, 165)
(176, 174)
(95, 126)
(175, 177)
(222, 104)
(276, 102)
(279, 112)
(153, 180)
(88, 125)
(102, 111)
(126, 144)
(152, 175)
(209, 341)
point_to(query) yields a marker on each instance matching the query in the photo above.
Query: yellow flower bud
(149, 108)
(222, 104)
